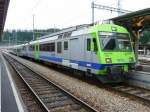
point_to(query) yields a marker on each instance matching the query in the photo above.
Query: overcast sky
(62, 13)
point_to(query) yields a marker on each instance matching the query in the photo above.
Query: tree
(145, 38)
(22, 36)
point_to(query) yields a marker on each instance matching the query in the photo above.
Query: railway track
(144, 68)
(51, 96)
(145, 62)
(127, 90)
(30, 102)
(137, 92)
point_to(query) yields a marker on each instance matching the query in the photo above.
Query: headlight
(108, 60)
(131, 60)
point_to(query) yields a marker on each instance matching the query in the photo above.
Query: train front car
(112, 45)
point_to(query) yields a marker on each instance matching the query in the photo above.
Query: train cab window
(95, 45)
(88, 44)
(65, 45)
(111, 45)
(59, 50)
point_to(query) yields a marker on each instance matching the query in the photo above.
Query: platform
(139, 78)
(146, 68)
(144, 57)
(9, 102)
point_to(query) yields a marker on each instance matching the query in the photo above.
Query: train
(102, 50)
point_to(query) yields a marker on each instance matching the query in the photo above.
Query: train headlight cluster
(108, 60)
(131, 59)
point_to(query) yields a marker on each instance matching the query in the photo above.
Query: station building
(144, 49)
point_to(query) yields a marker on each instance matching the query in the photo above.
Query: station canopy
(3, 12)
(135, 22)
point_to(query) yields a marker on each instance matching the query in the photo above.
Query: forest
(23, 36)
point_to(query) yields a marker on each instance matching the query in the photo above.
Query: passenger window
(41, 47)
(31, 48)
(65, 45)
(88, 44)
(44, 47)
(60, 36)
(59, 47)
(36, 47)
(52, 47)
(24, 48)
(95, 45)
(67, 34)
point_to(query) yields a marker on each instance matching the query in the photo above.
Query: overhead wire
(36, 4)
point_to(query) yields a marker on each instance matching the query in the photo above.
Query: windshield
(115, 41)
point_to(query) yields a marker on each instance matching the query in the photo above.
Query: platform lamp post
(33, 29)
(16, 39)
(9, 41)
(92, 6)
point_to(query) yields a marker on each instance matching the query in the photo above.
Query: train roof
(44, 40)
(84, 29)
(75, 31)
(70, 29)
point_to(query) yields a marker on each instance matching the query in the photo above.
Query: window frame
(88, 44)
(66, 45)
(59, 47)
(95, 49)
(52, 46)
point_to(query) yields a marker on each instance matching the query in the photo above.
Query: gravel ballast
(99, 98)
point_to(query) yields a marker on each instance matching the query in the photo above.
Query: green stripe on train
(36, 51)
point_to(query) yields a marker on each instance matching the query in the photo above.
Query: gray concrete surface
(139, 78)
(8, 102)
(146, 68)
(0, 86)
(144, 57)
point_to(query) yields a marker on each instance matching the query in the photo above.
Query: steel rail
(137, 92)
(52, 83)
(27, 85)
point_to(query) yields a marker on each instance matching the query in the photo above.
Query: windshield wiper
(110, 44)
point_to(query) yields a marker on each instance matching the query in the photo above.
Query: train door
(36, 51)
(59, 49)
(94, 48)
(27, 50)
(87, 49)
(91, 49)
(75, 49)
(65, 50)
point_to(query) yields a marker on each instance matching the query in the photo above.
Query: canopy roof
(135, 21)
(3, 12)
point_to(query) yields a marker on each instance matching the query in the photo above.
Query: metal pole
(137, 46)
(103, 7)
(33, 29)
(16, 37)
(9, 40)
(119, 7)
(54, 29)
(136, 50)
(92, 5)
